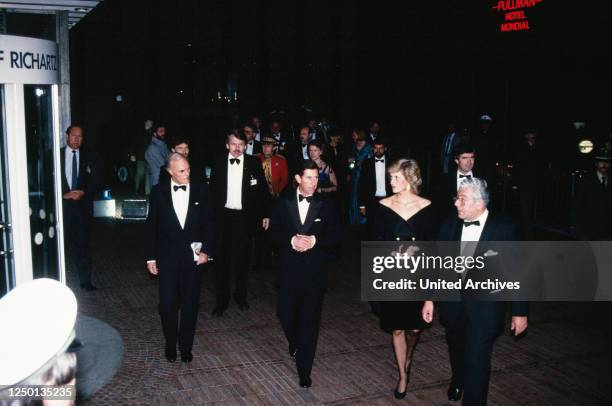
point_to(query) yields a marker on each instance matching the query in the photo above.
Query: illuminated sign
(585, 146)
(515, 14)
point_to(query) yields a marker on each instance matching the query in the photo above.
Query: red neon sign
(515, 17)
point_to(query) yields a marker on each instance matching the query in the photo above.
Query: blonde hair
(409, 168)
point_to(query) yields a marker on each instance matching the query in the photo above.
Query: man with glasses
(472, 326)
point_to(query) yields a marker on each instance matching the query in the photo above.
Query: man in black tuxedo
(79, 184)
(253, 146)
(298, 152)
(472, 326)
(465, 157)
(179, 239)
(241, 203)
(374, 183)
(304, 226)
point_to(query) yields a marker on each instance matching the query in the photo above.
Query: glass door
(7, 275)
(41, 180)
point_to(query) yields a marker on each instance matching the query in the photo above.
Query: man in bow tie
(253, 146)
(304, 227)
(179, 240)
(472, 326)
(465, 157)
(374, 182)
(241, 204)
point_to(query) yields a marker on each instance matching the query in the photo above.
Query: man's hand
(303, 243)
(202, 258)
(74, 195)
(362, 211)
(428, 311)
(152, 268)
(518, 325)
(265, 223)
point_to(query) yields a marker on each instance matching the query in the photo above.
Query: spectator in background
(274, 167)
(257, 128)
(374, 132)
(141, 164)
(156, 153)
(374, 183)
(253, 147)
(180, 145)
(528, 171)
(360, 152)
(328, 183)
(593, 202)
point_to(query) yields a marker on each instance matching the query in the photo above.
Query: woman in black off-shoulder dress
(404, 216)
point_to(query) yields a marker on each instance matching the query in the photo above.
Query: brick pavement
(241, 359)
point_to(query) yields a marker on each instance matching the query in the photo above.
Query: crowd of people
(272, 199)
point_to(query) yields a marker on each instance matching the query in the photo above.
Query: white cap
(486, 117)
(38, 320)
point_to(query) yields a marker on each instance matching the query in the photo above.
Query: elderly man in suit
(472, 326)
(179, 240)
(239, 190)
(79, 183)
(304, 226)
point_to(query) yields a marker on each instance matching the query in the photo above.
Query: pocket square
(490, 253)
(316, 220)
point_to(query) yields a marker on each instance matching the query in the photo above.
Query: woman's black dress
(390, 226)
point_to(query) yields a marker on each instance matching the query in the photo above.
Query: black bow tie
(182, 187)
(380, 160)
(465, 176)
(471, 223)
(234, 161)
(308, 198)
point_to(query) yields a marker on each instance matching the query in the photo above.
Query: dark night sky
(409, 64)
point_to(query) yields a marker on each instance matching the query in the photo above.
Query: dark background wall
(410, 64)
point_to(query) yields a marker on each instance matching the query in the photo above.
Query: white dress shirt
(234, 183)
(68, 164)
(472, 233)
(381, 182)
(305, 152)
(603, 179)
(459, 179)
(257, 135)
(180, 202)
(249, 147)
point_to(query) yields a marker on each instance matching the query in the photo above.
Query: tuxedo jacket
(256, 148)
(367, 183)
(280, 172)
(87, 181)
(593, 209)
(496, 228)
(255, 196)
(305, 268)
(166, 241)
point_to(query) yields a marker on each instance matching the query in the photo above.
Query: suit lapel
(313, 211)
(294, 213)
(168, 191)
(191, 205)
(245, 179)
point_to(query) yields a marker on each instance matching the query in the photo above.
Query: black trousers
(77, 238)
(235, 249)
(299, 311)
(471, 329)
(179, 289)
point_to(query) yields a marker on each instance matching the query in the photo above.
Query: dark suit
(295, 157)
(78, 213)
(472, 326)
(593, 209)
(367, 188)
(170, 246)
(256, 148)
(236, 228)
(303, 275)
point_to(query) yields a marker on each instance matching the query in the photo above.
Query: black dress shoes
(305, 382)
(218, 311)
(88, 287)
(243, 305)
(454, 393)
(187, 357)
(170, 354)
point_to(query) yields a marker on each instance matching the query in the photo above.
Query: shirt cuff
(151, 261)
(314, 241)
(292, 245)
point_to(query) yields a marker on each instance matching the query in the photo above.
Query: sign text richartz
(515, 14)
(28, 60)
